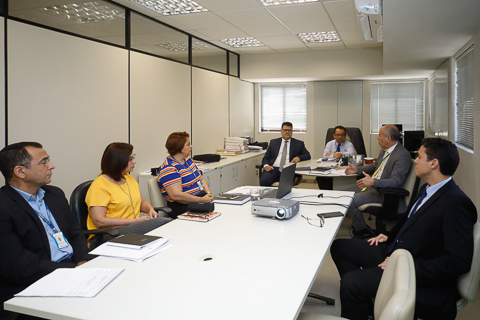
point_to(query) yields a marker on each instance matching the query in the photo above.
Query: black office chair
(80, 210)
(389, 209)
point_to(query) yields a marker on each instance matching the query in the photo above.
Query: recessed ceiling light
(267, 3)
(315, 37)
(182, 46)
(243, 42)
(171, 7)
(84, 12)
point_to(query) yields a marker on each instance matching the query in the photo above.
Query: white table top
(261, 269)
(313, 164)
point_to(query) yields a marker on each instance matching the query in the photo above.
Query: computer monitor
(413, 140)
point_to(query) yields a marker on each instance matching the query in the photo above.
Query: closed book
(133, 241)
(201, 217)
(232, 198)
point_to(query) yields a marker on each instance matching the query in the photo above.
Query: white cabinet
(232, 176)
(213, 180)
(251, 173)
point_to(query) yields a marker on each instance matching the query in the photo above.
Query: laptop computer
(285, 185)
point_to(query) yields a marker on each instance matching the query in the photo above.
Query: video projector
(275, 208)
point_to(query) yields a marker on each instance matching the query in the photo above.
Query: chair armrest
(259, 166)
(394, 191)
(110, 231)
(163, 209)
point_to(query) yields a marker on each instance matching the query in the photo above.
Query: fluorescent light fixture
(84, 12)
(182, 46)
(243, 42)
(318, 37)
(364, 23)
(171, 7)
(267, 3)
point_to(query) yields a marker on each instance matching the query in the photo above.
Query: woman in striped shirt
(179, 178)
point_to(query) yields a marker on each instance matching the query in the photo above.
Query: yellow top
(116, 198)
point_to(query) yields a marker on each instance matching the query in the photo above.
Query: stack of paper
(77, 282)
(133, 254)
(236, 144)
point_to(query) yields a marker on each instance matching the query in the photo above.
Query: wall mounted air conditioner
(369, 18)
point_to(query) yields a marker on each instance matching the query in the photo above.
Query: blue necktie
(412, 212)
(338, 148)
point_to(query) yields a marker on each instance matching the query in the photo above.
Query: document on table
(137, 255)
(77, 282)
(338, 172)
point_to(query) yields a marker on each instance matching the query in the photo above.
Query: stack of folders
(236, 144)
(201, 217)
(135, 247)
(232, 198)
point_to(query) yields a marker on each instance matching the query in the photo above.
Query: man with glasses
(339, 147)
(37, 228)
(280, 152)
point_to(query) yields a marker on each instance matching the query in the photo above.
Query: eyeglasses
(44, 162)
(132, 157)
(339, 135)
(321, 221)
(287, 130)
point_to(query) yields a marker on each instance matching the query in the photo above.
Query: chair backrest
(354, 135)
(396, 293)
(156, 196)
(78, 205)
(467, 283)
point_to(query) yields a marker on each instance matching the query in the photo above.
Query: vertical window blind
(397, 103)
(431, 108)
(283, 102)
(464, 107)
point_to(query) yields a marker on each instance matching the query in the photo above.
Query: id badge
(200, 185)
(60, 240)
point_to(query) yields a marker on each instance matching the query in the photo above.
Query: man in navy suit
(437, 229)
(282, 151)
(38, 232)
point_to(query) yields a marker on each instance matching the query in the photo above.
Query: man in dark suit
(437, 229)
(389, 171)
(282, 151)
(37, 228)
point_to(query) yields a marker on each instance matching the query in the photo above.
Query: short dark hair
(176, 141)
(115, 159)
(392, 131)
(14, 155)
(288, 124)
(445, 152)
(341, 128)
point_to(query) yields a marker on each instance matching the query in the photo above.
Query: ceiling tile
(223, 5)
(248, 50)
(223, 33)
(346, 24)
(279, 40)
(204, 20)
(248, 17)
(300, 12)
(340, 9)
(326, 46)
(266, 30)
(310, 26)
(290, 48)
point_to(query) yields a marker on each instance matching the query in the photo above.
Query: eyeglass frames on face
(132, 157)
(339, 135)
(44, 162)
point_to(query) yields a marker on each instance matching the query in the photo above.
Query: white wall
(209, 111)
(69, 94)
(160, 103)
(242, 111)
(335, 64)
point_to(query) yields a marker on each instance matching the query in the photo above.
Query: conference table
(331, 181)
(237, 266)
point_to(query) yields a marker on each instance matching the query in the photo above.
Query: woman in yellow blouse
(114, 198)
